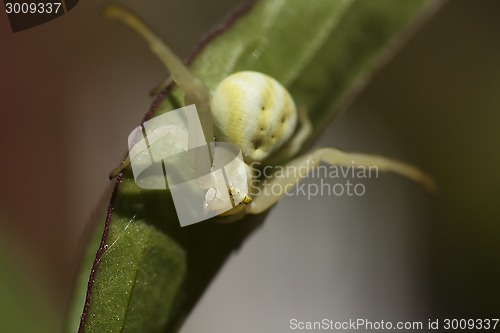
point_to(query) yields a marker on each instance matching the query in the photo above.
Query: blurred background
(73, 89)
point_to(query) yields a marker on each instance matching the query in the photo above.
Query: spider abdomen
(255, 112)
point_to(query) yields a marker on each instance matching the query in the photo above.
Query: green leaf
(150, 272)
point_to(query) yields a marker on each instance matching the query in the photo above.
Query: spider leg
(195, 91)
(190, 84)
(163, 84)
(303, 165)
(124, 164)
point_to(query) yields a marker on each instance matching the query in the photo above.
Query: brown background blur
(73, 89)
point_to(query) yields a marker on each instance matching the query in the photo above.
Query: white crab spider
(255, 112)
